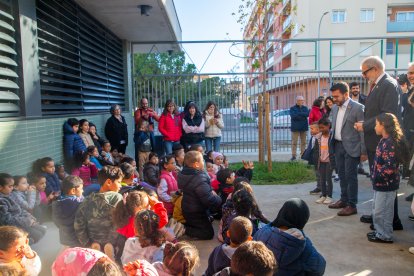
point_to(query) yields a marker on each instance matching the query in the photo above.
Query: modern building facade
(69, 58)
(340, 20)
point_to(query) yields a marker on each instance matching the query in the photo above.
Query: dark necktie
(371, 87)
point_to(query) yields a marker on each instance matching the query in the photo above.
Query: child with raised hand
(152, 170)
(84, 261)
(149, 241)
(94, 156)
(93, 222)
(180, 259)
(253, 259)
(87, 171)
(15, 251)
(23, 194)
(12, 214)
(64, 210)
(391, 151)
(246, 171)
(167, 184)
(240, 231)
(46, 167)
(225, 177)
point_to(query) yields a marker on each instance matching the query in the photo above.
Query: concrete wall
(24, 141)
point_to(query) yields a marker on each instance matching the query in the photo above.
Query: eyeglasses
(366, 71)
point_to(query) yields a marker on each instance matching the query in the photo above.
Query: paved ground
(341, 240)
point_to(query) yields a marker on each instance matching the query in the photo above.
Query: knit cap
(216, 154)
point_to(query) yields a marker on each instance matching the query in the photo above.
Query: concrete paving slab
(341, 240)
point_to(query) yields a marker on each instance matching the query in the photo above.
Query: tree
(255, 16)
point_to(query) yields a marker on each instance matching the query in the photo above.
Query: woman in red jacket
(170, 126)
(317, 110)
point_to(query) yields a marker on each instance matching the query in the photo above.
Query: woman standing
(116, 129)
(170, 126)
(328, 107)
(214, 124)
(84, 133)
(193, 125)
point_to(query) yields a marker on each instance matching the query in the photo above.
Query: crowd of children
(115, 219)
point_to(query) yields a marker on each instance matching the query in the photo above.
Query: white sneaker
(411, 250)
(321, 199)
(328, 200)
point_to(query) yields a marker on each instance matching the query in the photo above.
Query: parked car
(280, 119)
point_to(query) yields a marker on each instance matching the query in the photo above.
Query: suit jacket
(352, 140)
(383, 98)
(362, 98)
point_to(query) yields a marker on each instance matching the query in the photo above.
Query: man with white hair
(383, 97)
(299, 125)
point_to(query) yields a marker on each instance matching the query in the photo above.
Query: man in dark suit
(383, 97)
(348, 145)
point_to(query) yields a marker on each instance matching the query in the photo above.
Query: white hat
(300, 98)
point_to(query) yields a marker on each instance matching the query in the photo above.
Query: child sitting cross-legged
(13, 215)
(23, 194)
(94, 157)
(151, 170)
(46, 167)
(240, 231)
(64, 209)
(168, 183)
(253, 259)
(93, 222)
(150, 241)
(16, 253)
(179, 259)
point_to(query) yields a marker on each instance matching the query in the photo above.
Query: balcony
(403, 26)
(270, 61)
(287, 22)
(286, 48)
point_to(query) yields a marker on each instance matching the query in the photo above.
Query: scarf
(293, 214)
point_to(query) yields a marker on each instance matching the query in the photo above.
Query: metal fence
(236, 96)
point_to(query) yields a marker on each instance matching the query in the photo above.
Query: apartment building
(339, 20)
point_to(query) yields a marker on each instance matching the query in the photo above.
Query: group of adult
(187, 128)
(353, 116)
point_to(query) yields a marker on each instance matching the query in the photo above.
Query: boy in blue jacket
(64, 210)
(72, 142)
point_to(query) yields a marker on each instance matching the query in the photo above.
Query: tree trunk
(268, 136)
(260, 127)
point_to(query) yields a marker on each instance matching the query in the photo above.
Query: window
(366, 15)
(338, 49)
(365, 49)
(407, 16)
(390, 48)
(338, 16)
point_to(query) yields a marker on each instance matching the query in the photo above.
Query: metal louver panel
(9, 88)
(81, 66)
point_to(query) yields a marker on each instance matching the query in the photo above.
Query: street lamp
(318, 53)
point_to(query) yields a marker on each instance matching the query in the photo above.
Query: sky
(211, 20)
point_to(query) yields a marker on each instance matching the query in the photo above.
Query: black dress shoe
(371, 234)
(397, 225)
(378, 240)
(366, 219)
(410, 197)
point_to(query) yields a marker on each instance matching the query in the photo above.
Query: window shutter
(9, 88)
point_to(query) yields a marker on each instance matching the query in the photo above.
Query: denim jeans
(213, 142)
(348, 174)
(383, 214)
(168, 146)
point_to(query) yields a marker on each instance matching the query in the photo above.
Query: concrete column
(30, 83)
(128, 78)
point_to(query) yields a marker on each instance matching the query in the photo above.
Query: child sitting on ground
(41, 210)
(246, 171)
(151, 170)
(178, 151)
(12, 214)
(94, 156)
(253, 259)
(23, 194)
(116, 156)
(294, 252)
(217, 161)
(179, 259)
(168, 184)
(46, 167)
(225, 162)
(87, 171)
(133, 163)
(240, 231)
(225, 177)
(16, 252)
(128, 172)
(64, 210)
(150, 241)
(198, 197)
(84, 261)
(208, 157)
(210, 172)
(93, 222)
(106, 153)
(60, 171)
